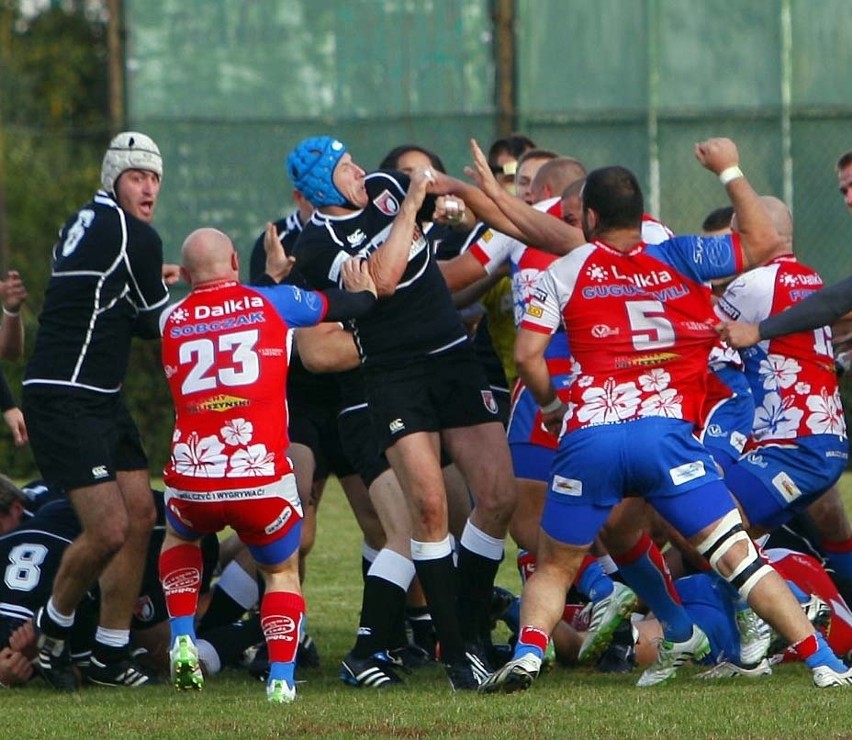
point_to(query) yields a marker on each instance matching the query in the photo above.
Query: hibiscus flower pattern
(611, 403)
(827, 414)
(668, 403)
(777, 372)
(206, 457)
(237, 432)
(649, 395)
(200, 458)
(253, 461)
(776, 418)
(655, 380)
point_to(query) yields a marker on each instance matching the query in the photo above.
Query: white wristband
(554, 405)
(729, 174)
(13, 314)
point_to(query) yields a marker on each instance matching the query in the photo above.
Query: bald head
(781, 219)
(208, 254)
(555, 175)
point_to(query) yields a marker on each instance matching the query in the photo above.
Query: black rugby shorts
(81, 438)
(433, 393)
(361, 445)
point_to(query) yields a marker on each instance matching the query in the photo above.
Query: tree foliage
(55, 126)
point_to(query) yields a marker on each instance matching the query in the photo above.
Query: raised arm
(388, 262)
(528, 224)
(12, 296)
(758, 236)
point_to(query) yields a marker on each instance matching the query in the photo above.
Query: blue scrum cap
(311, 167)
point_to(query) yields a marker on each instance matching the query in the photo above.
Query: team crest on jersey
(386, 203)
(218, 403)
(489, 402)
(144, 609)
(356, 238)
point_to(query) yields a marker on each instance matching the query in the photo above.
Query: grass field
(564, 703)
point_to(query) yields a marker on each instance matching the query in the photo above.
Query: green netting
(637, 83)
(228, 87)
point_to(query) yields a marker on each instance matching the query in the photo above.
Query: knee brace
(724, 536)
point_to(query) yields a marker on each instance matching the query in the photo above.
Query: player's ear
(235, 261)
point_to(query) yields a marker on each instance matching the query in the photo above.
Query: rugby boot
(672, 655)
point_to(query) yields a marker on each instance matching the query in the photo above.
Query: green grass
(564, 703)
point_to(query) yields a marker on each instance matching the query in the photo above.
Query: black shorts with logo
(360, 443)
(81, 438)
(429, 394)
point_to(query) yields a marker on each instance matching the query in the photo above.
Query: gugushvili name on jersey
(639, 324)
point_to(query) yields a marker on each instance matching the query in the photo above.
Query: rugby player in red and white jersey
(533, 446)
(225, 356)
(798, 447)
(628, 427)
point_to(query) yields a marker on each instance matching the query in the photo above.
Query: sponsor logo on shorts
(786, 487)
(756, 459)
(99, 471)
(386, 203)
(397, 425)
(714, 430)
(738, 441)
(488, 401)
(182, 580)
(837, 453)
(218, 403)
(687, 472)
(280, 521)
(279, 627)
(566, 486)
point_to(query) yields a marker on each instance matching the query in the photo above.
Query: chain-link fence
(227, 88)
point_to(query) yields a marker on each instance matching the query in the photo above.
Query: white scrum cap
(130, 150)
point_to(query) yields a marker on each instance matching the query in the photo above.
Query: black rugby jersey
(29, 558)
(320, 387)
(419, 318)
(107, 273)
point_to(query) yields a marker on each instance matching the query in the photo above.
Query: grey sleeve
(819, 309)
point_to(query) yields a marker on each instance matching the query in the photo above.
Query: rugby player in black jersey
(326, 410)
(424, 385)
(107, 286)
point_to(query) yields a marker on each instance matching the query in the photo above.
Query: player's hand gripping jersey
(792, 377)
(639, 324)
